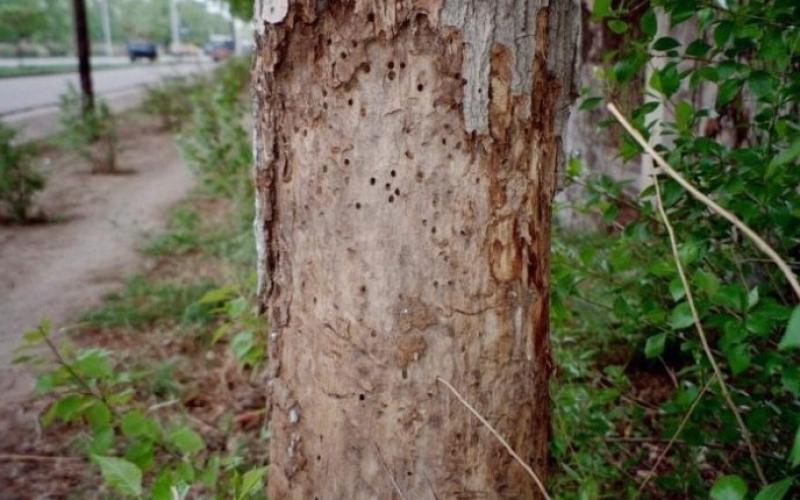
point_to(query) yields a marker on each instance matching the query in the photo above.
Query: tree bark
(84, 53)
(406, 157)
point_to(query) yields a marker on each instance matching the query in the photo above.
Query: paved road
(14, 62)
(31, 103)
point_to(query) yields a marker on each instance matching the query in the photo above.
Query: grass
(146, 302)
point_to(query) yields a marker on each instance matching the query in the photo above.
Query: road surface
(31, 103)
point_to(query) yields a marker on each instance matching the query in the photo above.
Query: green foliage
(218, 147)
(92, 134)
(19, 181)
(144, 303)
(631, 362)
(170, 101)
(129, 407)
(126, 441)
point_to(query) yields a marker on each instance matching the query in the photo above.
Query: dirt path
(59, 270)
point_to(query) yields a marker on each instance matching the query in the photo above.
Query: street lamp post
(175, 24)
(106, 27)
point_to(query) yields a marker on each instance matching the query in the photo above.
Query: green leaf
(601, 8)
(102, 441)
(71, 406)
(787, 155)
(684, 116)
(666, 43)
(723, 33)
(697, 48)
(186, 440)
(729, 488)
(738, 357)
(135, 424)
(655, 345)
(676, 289)
(791, 339)
(98, 416)
(590, 103)
(752, 298)
(122, 476)
(93, 364)
(761, 83)
(794, 455)
(681, 316)
(775, 491)
(252, 481)
(617, 26)
(667, 81)
(728, 91)
(648, 23)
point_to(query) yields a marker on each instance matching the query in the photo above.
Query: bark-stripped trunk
(406, 157)
(83, 49)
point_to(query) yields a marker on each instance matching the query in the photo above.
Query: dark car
(142, 50)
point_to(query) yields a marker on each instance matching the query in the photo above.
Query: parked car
(220, 48)
(142, 49)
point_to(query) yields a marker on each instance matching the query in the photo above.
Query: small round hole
(391, 198)
(420, 87)
(372, 181)
(391, 75)
(324, 168)
(347, 161)
(343, 55)
(371, 17)
(397, 191)
(349, 102)
(402, 65)
(361, 397)
(358, 206)
(393, 173)
(390, 65)
(388, 186)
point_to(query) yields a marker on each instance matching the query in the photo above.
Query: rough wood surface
(403, 232)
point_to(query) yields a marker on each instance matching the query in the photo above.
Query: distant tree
(20, 21)
(243, 9)
(84, 50)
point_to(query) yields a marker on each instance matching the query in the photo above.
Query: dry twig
(759, 242)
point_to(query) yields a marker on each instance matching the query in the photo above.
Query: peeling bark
(406, 156)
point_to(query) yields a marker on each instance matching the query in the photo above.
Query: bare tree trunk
(84, 53)
(406, 157)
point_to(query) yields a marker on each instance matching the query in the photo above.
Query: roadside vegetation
(91, 134)
(158, 388)
(639, 408)
(19, 179)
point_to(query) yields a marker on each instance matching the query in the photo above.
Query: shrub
(93, 135)
(19, 181)
(216, 145)
(636, 374)
(170, 100)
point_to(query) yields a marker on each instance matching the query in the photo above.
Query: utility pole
(175, 24)
(83, 48)
(106, 27)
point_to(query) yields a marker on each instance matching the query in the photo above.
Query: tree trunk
(84, 53)
(406, 157)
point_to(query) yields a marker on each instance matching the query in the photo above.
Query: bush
(635, 373)
(216, 144)
(170, 100)
(19, 181)
(93, 135)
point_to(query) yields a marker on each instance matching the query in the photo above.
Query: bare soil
(89, 244)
